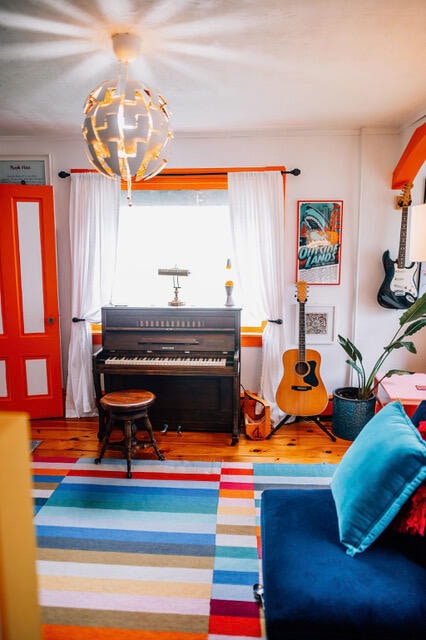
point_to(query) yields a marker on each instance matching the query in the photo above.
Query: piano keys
(189, 357)
(157, 361)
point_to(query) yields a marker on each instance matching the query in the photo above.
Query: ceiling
(223, 65)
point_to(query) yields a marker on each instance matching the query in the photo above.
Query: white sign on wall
(22, 171)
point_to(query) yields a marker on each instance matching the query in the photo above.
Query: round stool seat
(127, 401)
(127, 410)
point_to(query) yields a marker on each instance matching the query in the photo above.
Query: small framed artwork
(319, 324)
(319, 241)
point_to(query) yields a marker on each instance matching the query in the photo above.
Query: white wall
(353, 166)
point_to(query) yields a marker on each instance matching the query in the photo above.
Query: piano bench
(127, 410)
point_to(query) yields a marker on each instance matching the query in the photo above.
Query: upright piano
(189, 357)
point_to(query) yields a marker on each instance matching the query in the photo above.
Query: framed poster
(34, 170)
(319, 241)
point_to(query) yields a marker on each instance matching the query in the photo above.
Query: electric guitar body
(399, 289)
(301, 391)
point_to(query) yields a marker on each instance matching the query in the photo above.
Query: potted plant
(354, 406)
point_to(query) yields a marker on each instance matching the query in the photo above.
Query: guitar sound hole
(301, 368)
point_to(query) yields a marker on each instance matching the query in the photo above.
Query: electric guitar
(399, 289)
(301, 391)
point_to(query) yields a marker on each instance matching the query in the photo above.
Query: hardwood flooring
(301, 442)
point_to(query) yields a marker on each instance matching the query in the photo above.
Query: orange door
(30, 354)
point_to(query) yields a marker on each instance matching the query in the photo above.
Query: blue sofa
(312, 589)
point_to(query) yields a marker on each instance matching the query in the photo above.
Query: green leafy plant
(411, 321)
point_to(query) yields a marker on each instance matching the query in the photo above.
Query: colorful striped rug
(171, 554)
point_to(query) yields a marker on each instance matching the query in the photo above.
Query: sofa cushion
(408, 528)
(419, 416)
(411, 519)
(376, 476)
(314, 590)
(409, 525)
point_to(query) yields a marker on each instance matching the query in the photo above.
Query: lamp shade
(126, 125)
(417, 246)
(126, 129)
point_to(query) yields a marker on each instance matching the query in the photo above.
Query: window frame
(198, 179)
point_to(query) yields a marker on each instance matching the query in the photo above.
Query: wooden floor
(301, 442)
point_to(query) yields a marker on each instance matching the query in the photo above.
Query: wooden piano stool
(128, 410)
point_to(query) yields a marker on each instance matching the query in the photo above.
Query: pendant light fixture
(126, 125)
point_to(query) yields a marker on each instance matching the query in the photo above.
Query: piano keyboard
(161, 361)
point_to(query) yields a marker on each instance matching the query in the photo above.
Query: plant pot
(350, 415)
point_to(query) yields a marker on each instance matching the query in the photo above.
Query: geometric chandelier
(126, 125)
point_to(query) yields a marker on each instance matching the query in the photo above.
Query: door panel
(30, 355)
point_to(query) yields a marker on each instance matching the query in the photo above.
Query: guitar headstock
(404, 200)
(302, 291)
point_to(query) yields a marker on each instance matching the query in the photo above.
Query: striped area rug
(171, 554)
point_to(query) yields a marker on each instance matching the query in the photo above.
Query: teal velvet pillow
(376, 476)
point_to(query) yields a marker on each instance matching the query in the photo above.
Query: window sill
(250, 339)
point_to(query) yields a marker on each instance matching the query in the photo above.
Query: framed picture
(319, 324)
(319, 241)
(33, 170)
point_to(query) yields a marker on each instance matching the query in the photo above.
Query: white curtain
(257, 223)
(93, 220)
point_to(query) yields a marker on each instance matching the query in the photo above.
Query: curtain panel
(257, 222)
(93, 221)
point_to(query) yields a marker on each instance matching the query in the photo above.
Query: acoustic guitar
(301, 391)
(399, 289)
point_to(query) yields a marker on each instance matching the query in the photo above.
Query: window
(180, 219)
(188, 229)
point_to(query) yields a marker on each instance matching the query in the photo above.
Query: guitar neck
(403, 238)
(302, 343)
